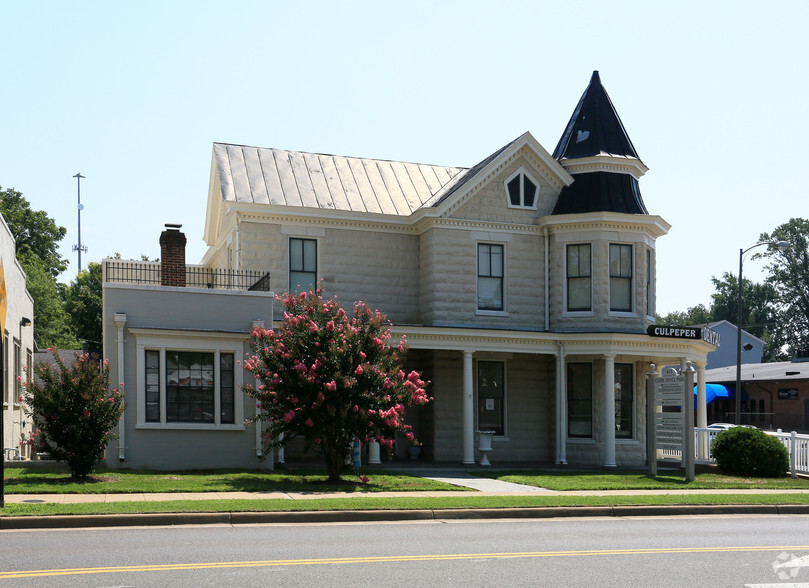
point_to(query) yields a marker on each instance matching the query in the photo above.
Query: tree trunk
(335, 462)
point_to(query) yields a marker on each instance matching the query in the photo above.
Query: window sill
(627, 442)
(188, 427)
(491, 313)
(581, 440)
(622, 314)
(577, 313)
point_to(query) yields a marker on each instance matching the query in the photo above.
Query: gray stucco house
(525, 285)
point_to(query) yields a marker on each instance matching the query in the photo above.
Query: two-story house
(524, 283)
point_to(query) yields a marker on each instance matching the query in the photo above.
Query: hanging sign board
(704, 333)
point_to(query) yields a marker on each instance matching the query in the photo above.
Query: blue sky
(132, 95)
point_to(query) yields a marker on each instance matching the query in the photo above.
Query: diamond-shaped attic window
(522, 191)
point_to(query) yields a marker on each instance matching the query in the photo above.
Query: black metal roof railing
(149, 273)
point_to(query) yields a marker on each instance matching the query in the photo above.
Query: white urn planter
(485, 446)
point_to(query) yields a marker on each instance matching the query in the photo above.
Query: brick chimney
(172, 256)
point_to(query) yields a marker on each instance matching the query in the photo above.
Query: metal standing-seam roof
(315, 180)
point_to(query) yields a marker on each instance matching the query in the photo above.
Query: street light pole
(781, 245)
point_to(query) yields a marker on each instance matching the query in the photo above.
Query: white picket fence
(797, 445)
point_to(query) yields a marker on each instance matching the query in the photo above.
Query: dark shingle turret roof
(601, 191)
(595, 131)
(594, 128)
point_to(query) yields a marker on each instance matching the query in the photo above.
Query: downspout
(547, 280)
(561, 409)
(238, 259)
(120, 321)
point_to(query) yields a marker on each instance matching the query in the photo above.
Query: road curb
(349, 516)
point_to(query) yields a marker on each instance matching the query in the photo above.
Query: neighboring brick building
(774, 395)
(524, 284)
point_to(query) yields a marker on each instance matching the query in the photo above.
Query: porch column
(561, 408)
(609, 411)
(468, 411)
(702, 405)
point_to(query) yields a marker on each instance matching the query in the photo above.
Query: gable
(498, 167)
(493, 202)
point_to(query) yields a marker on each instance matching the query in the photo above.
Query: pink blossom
(356, 408)
(86, 413)
(289, 416)
(359, 370)
(309, 423)
(331, 386)
(410, 436)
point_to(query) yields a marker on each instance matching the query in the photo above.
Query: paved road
(676, 551)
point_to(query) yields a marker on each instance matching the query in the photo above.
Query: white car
(726, 426)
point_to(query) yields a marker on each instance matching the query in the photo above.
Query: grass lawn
(635, 480)
(382, 503)
(39, 481)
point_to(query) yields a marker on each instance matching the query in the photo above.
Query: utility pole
(79, 247)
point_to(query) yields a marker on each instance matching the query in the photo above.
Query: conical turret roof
(596, 150)
(595, 128)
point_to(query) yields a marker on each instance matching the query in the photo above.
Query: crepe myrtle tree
(74, 410)
(331, 378)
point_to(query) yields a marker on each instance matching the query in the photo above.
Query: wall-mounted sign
(787, 394)
(704, 333)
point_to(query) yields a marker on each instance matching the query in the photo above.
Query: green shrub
(74, 411)
(744, 451)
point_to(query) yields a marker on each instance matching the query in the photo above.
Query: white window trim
(193, 341)
(578, 313)
(521, 206)
(632, 284)
(478, 311)
(650, 293)
(504, 436)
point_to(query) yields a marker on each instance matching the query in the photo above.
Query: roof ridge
(317, 153)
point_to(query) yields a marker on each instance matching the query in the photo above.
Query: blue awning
(714, 391)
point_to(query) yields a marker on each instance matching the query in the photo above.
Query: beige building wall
(17, 344)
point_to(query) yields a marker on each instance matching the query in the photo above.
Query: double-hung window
(580, 399)
(491, 397)
(490, 277)
(624, 396)
(579, 279)
(620, 277)
(302, 264)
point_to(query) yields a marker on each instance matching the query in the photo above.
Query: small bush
(750, 452)
(74, 411)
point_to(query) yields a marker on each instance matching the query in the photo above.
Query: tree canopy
(777, 310)
(789, 279)
(34, 231)
(37, 239)
(82, 299)
(331, 378)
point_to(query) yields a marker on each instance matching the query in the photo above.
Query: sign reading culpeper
(706, 334)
